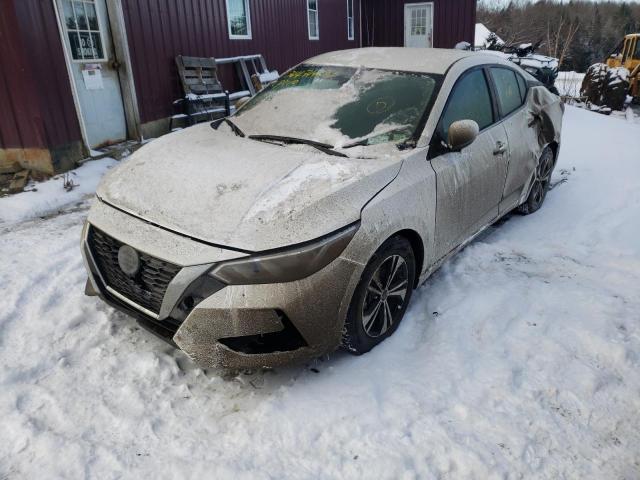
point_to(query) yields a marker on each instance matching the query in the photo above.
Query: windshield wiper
(216, 123)
(323, 147)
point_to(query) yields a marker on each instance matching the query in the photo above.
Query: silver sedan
(304, 222)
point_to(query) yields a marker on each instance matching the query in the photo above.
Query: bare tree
(560, 38)
(578, 32)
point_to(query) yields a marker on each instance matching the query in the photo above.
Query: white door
(418, 25)
(87, 38)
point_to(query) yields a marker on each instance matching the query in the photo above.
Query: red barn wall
(158, 30)
(383, 22)
(39, 127)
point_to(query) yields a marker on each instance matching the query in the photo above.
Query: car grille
(147, 287)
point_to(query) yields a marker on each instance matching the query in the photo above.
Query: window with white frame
(312, 19)
(83, 30)
(350, 32)
(238, 19)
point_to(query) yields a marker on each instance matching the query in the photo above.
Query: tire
(379, 302)
(615, 91)
(594, 83)
(541, 182)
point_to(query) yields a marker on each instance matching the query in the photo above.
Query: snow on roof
(427, 60)
(482, 34)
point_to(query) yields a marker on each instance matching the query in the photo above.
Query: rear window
(507, 89)
(523, 87)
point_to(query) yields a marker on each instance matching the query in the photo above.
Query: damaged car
(304, 222)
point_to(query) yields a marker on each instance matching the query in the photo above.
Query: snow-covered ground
(50, 197)
(520, 358)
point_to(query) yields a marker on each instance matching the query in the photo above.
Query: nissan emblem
(128, 260)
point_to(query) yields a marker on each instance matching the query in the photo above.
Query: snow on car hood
(241, 193)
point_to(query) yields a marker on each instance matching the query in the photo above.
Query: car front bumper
(237, 326)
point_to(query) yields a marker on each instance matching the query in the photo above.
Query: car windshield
(339, 106)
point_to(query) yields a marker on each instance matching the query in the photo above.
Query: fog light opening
(285, 340)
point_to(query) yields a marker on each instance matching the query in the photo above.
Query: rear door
(511, 92)
(87, 39)
(418, 25)
(470, 182)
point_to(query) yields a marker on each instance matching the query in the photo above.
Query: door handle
(114, 63)
(501, 147)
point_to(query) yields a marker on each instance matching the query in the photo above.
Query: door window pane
(92, 16)
(350, 34)
(239, 18)
(418, 21)
(83, 29)
(523, 87)
(81, 18)
(69, 16)
(469, 100)
(507, 89)
(96, 45)
(312, 18)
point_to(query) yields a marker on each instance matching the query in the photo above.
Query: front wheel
(540, 185)
(381, 297)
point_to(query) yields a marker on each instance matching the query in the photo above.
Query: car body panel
(469, 185)
(157, 241)
(432, 60)
(388, 213)
(274, 197)
(524, 151)
(200, 197)
(311, 304)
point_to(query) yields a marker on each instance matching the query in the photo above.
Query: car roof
(423, 60)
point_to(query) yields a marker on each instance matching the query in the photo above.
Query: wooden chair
(204, 97)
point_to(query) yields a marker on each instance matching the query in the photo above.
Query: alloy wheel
(385, 296)
(543, 178)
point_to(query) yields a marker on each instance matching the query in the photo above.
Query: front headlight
(287, 265)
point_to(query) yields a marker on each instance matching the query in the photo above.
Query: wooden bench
(204, 98)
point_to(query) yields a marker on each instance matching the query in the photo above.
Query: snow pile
(519, 359)
(267, 77)
(618, 75)
(48, 197)
(295, 189)
(482, 35)
(293, 106)
(569, 83)
(535, 60)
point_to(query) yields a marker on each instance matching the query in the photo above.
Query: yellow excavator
(608, 84)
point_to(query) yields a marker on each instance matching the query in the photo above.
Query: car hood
(241, 193)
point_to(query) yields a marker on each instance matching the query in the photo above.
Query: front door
(469, 183)
(87, 38)
(418, 25)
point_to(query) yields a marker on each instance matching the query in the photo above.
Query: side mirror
(462, 134)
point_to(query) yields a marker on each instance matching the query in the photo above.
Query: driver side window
(469, 100)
